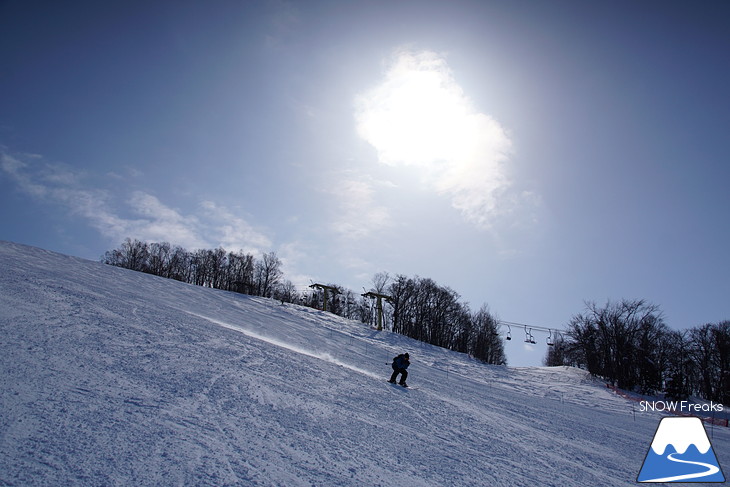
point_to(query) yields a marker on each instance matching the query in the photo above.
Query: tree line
(418, 307)
(231, 271)
(434, 314)
(628, 344)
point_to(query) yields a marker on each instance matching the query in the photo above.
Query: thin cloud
(292, 255)
(17, 171)
(148, 218)
(159, 222)
(419, 116)
(58, 184)
(358, 215)
(233, 232)
(284, 19)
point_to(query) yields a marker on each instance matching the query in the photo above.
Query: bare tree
(710, 351)
(558, 353)
(268, 274)
(286, 292)
(132, 254)
(159, 259)
(240, 276)
(486, 343)
(619, 342)
(380, 281)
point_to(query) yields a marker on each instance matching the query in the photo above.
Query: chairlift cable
(529, 337)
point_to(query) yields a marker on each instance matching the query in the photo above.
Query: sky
(531, 156)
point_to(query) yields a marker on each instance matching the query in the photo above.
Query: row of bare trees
(431, 313)
(418, 308)
(628, 344)
(231, 271)
(421, 309)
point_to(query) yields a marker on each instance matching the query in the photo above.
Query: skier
(400, 364)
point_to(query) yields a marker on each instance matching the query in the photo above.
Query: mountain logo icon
(680, 452)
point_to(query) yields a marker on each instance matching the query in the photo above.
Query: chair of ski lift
(550, 341)
(528, 336)
(509, 333)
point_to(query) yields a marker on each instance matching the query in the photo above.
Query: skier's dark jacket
(400, 362)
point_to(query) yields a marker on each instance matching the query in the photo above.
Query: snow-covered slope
(112, 377)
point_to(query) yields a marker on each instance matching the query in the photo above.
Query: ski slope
(112, 377)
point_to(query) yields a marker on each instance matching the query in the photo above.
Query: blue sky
(530, 155)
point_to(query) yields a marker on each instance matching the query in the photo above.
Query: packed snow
(113, 377)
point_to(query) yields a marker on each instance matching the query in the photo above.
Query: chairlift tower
(378, 305)
(325, 289)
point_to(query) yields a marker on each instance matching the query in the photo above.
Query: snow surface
(113, 377)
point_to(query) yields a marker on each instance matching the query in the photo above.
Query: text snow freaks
(680, 407)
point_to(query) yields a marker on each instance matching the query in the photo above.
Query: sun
(418, 115)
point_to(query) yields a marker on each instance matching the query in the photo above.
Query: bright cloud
(419, 116)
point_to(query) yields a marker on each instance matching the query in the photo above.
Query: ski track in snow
(112, 377)
(322, 356)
